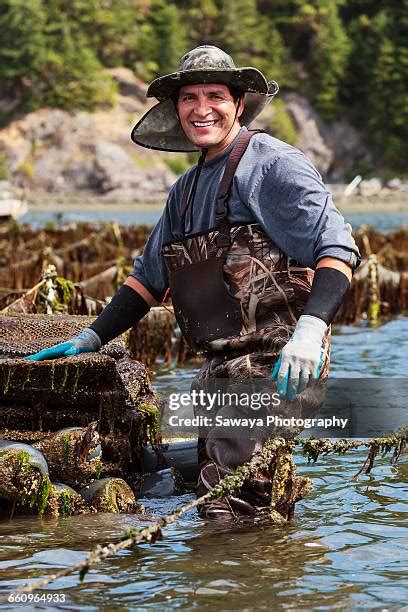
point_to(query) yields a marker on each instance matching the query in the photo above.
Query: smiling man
(256, 256)
(209, 116)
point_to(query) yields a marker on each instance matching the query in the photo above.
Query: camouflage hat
(160, 127)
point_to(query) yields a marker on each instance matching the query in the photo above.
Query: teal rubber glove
(301, 359)
(87, 341)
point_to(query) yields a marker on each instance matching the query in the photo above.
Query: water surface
(347, 549)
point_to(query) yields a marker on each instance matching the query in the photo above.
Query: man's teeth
(203, 123)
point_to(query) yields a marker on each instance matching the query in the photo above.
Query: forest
(348, 57)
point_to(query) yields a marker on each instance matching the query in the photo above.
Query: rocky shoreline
(60, 156)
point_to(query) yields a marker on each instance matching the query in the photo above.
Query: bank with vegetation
(73, 74)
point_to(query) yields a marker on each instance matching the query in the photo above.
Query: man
(236, 245)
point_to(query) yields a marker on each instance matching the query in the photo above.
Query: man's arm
(129, 304)
(125, 309)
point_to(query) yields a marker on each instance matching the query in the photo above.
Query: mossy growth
(281, 125)
(98, 467)
(65, 290)
(43, 494)
(66, 444)
(152, 420)
(65, 502)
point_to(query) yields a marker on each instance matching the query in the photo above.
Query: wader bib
(237, 298)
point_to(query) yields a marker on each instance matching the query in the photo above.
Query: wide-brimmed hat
(160, 127)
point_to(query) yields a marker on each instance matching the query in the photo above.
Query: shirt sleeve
(149, 268)
(292, 204)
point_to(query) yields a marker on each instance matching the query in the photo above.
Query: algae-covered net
(106, 386)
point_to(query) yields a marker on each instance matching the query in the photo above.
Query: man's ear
(240, 107)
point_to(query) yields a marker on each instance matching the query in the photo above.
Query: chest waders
(237, 297)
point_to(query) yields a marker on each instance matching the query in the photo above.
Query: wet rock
(21, 473)
(64, 501)
(37, 459)
(111, 495)
(161, 484)
(73, 455)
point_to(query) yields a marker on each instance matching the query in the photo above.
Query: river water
(346, 549)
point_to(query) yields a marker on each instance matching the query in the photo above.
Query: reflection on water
(346, 548)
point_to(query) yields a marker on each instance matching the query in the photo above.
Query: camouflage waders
(237, 298)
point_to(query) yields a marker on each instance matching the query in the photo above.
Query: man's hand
(301, 359)
(87, 341)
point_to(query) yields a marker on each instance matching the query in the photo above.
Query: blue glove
(87, 341)
(301, 359)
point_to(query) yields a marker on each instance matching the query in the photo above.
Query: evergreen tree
(22, 44)
(330, 51)
(377, 81)
(162, 40)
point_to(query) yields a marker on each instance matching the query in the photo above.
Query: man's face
(208, 115)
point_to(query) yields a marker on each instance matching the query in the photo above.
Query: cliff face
(65, 152)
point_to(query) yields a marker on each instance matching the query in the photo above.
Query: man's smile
(204, 124)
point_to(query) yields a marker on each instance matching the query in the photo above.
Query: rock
(64, 501)
(128, 84)
(73, 454)
(370, 187)
(394, 183)
(21, 473)
(37, 459)
(160, 484)
(61, 152)
(335, 148)
(308, 125)
(111, 495)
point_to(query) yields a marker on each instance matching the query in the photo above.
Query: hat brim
(246, 79)
(160, 128)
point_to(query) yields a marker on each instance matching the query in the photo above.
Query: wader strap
(229, 172)
(223, 239)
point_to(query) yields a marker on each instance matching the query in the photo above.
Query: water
(347, 548)
(149, 215)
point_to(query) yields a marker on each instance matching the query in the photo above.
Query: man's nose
(202, 108)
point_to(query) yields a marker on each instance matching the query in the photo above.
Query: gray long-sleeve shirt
(274, 185)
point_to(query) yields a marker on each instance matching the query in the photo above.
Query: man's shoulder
(267, 147)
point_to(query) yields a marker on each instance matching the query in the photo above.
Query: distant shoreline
(391, 202)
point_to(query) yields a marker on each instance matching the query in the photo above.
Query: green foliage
(22, 42)
(281, 125)
(349, 57)
(162, 39)
(329, 62)
(177, 164)
(377, 81)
